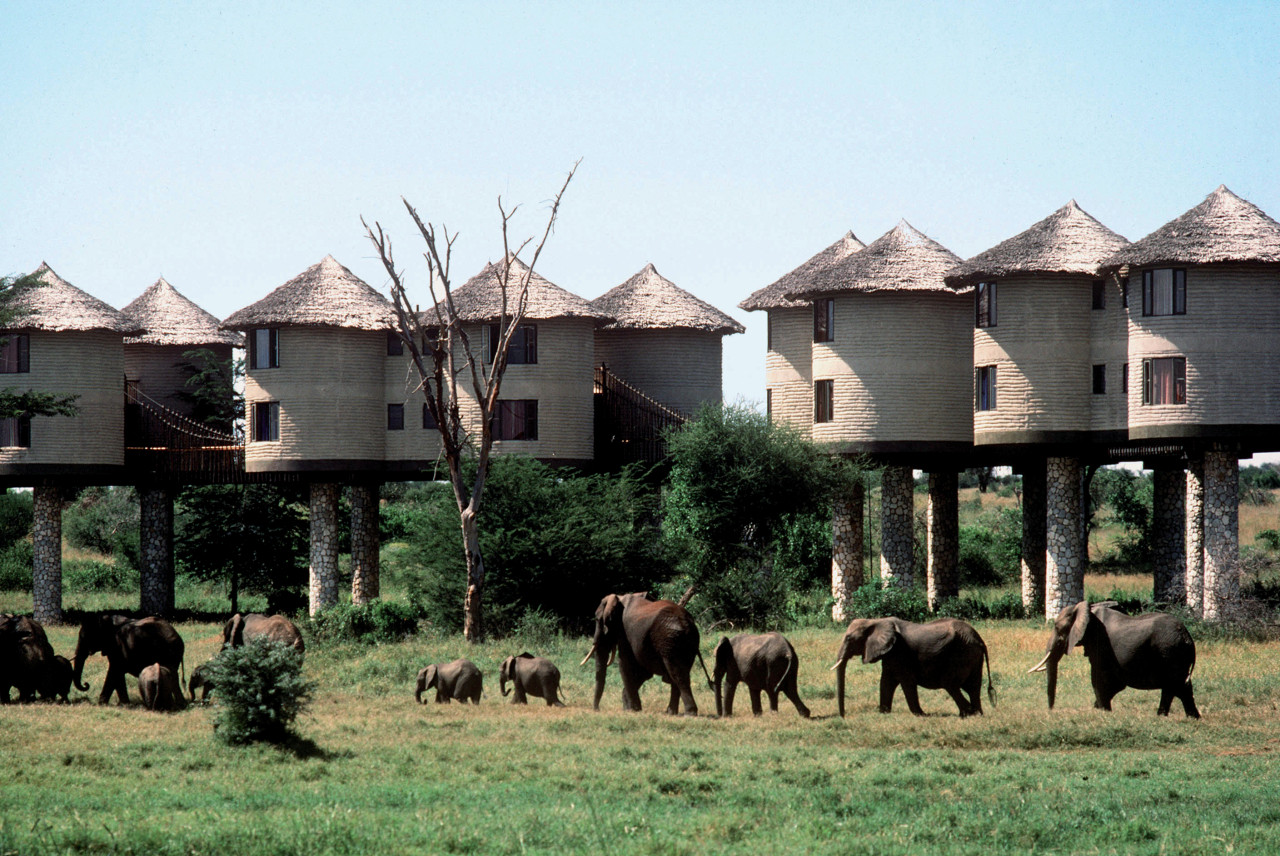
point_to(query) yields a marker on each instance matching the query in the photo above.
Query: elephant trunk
(602, 670)
(840, 667)
(502, 685)
(719, 681)
(1049, 665)
(82, 653)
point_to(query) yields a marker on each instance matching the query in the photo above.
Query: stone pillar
(1033, 538)
(897, 521)
(1064, 562)
(1168, 553)
(324, 546)
(943, 536)
(156, 519)
(846, 550)
(1221, 535)
(46, 548)
(364, 543)
(1194, 525)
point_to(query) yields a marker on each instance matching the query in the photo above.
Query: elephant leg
(1166, 701)
(756, 709)
(518, 695)
(731, 687)
(888, 686)
(682, 689)
(631, 682)
(1188, 701)
(961, 702)
(913, 699)
(790, 691)
(773, 700)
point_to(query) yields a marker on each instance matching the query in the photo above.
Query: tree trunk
(473, 606)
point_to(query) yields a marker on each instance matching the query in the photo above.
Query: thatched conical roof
(773, 296)
(323, 295)
(650, 301)
(480, 298)
(169, 318)
(1223, 228)
(53, 304)
(1067, 241)
(902, 259)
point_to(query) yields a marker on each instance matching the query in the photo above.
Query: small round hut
(788, 360)
(663, 341)
(178, 338)
(546, 409)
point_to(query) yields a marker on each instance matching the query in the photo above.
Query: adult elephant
(130, 645)
(945, 654)
(25, 656)
(278, 628)
(1152, 651)
(766, 663)
(648, 637)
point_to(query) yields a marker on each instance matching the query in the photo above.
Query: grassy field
(373, 772)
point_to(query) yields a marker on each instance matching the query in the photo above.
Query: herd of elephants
(648, 638)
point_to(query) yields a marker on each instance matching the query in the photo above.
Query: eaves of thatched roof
(650, 301)
(168, 318)
(53, 304)
(1067, 241)
(773, 296)
(902, 259)
(479, 299)
(1222, 228)
(324, 295)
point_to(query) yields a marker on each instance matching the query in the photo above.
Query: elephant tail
(711, 686)
(791, 662)
(991, 690)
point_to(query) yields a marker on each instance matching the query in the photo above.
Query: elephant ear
(880, 642)
(237, 630)
(525, 655)
(723, 652)
(1081, 624)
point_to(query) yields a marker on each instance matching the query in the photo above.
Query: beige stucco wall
(330, 385)
(1230, 337)
(400, 385)
(788, 368)
(91, 366)
(158, 371)
(1109, 346)
(1041, 349)
(902, 363)
(680, 368)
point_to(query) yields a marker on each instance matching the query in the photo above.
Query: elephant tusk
(612, 654)
(838, 664)
(589, 653)
(1039, 667)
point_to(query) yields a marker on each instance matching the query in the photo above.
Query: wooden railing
(166, 445)
(630, 426)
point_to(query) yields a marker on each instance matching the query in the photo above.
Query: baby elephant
(200, 681)
(160, 689)
(459, 679)
(56, 682)
(766, 662)
(530, 676)
(240, 629)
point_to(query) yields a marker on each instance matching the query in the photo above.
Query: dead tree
(449, 367)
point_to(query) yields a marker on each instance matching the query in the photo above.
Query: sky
(228, 147)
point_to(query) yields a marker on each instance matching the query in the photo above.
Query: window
(1164, 292)
(1124, 291)
(768, 331)
(1124, 378)
(1099, 294)
(768, 403)
(16, 431)
(516, 419)
(15, 354)
(524, 345)
(824, 319)
(395, 417)
(823, 400)
(984, 388)
(395, 345)
(428, 421)
(266, 421)
(1100, 380)
(985, 305)
(264, 348)
(1164, 380)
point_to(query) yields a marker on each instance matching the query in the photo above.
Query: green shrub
(16, 514)
(872, 601)
(93, 575)
(1007, 606)
(15, 567)
(370, 623)
(104, 520)
(260, 693)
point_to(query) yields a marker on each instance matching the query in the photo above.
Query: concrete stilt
(1168, 520)
(324, 546)
(1194, 536)
(46, 548)
(943, 535)
(1064, 560)
(846, 550)
(364, 543)
(1221, 535)
(897, 521)
(156, 524)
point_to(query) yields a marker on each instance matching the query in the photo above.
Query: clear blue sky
(228, 147)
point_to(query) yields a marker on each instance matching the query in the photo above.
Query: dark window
(15, 354)
(1100, 380)
(824, 319)
(395, 345)
(1124, 378)
(1124, 291)
(823, 400)
(16, 432)
(768, 331)
(266, 421)
(984, 388)
(395, 417)
(1099, 294)
(1164, 380)
(264, 348)
(524, 345)
(428, 421)
(1164, 291)
(985, 305)
(516, 419)
(768, 403)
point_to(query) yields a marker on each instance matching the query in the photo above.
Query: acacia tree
(445, 359)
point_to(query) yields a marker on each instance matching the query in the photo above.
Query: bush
(260, 693)
(93, 575)
(16, 515)
(871, 601)
(15, 567)
(370, 623)
(104, 520)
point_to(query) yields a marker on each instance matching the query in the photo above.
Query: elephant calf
(765, 663)
(459, 679)
(200, 681)
(530, 676)
(56, 682)
(240, 629)
(159, 688)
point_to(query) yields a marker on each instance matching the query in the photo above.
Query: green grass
(373, 772)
